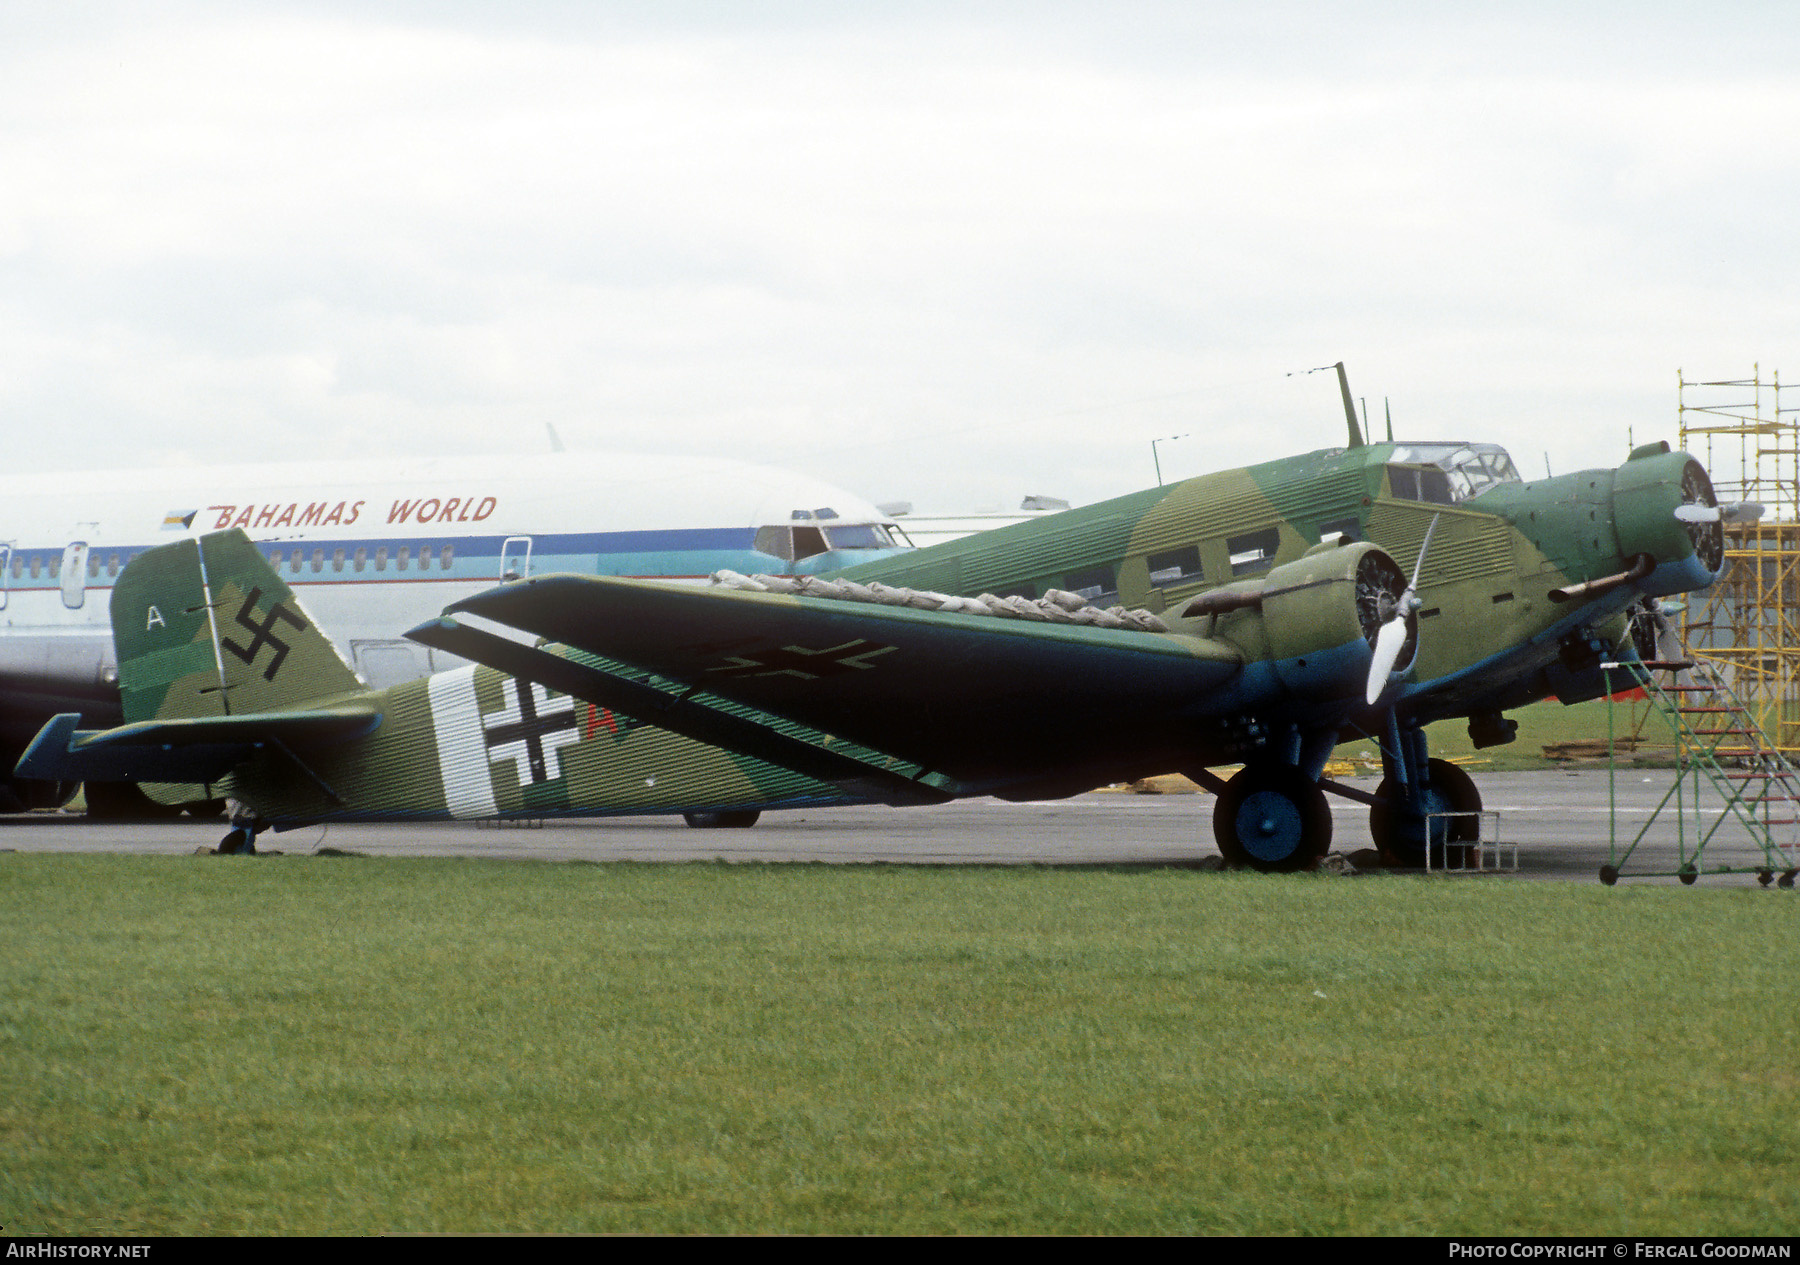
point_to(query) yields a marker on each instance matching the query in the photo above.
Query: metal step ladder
(1730, 781)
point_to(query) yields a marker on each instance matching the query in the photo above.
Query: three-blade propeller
(1390, 638)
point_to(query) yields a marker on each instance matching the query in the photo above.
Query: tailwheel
(1272, 817)
(1399, 827)
(738, 820)
(238, 841)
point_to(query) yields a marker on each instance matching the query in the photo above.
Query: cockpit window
(1462, 471)
(859, 536)
(807, 542)
(803, 541)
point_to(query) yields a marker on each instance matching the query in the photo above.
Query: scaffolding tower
(1746, 431)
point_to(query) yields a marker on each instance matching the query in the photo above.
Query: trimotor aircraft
(1259, 617)
(1259, 621)
(377, 547)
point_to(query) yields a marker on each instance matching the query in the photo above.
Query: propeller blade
(1741, 512)
(1390, 640)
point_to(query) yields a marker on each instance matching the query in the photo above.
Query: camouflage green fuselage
(1490, 636)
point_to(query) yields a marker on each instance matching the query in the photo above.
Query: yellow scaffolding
(1748, 436)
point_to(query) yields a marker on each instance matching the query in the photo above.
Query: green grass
(345, 1045)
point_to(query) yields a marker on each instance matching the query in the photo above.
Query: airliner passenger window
(362, 558)
(36, 561)
(403, 557)
(337, 559)
(112, 565)
(274, 560)
(424, 557)
(446, 556)
(318, 564)
(93, 565)
(381, 558)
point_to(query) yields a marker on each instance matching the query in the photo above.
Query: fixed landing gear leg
(240, 840)
(1416, 786)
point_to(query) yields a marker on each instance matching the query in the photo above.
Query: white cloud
(918, 254)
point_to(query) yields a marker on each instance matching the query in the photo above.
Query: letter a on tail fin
(208, 628)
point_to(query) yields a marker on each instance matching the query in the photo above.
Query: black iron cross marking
(808, 665)
(263, 634)
(526, 731)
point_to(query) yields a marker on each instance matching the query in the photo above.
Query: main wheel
(1399, 829)
(1272, 817)
(738, 820)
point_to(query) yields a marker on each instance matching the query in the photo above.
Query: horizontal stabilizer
(978, 700)
(681, 712)
(199, 749)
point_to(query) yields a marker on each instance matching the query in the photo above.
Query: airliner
(375, 548)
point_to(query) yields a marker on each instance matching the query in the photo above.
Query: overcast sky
(950, 253)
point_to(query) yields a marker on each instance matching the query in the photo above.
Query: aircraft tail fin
(207, 628)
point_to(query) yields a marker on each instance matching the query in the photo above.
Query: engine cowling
(1313, 621)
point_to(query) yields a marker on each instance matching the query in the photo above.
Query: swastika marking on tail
(262, 634)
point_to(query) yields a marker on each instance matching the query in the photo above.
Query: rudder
(207, 627)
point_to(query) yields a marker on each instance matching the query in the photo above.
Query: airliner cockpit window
(859, 536)
(807, 542)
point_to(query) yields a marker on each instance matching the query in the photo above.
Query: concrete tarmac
(1559, 820)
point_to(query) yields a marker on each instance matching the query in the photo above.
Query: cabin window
(93, 565)
(1253, 551)
(294, 561)
(337, 559)
(1420, 483)
(1176, 566)
(1096, 584)
(403, 558)
(1341, 527)
(112, 565)
(318, 563)
(275, 559)
(381, 557)
(446, 556)
(36, 563)
(362, 558)
(18, 567)
(424, 557)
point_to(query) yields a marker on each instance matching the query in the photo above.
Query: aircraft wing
(199, 749)
(980, 700)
